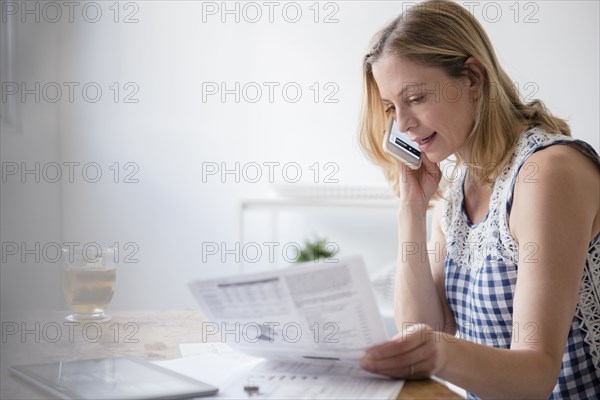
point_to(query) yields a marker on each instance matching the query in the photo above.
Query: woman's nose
(405, 120)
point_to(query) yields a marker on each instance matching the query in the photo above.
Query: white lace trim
(588, 307)
(470, 245)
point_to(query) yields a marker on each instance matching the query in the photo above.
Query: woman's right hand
(417, 187)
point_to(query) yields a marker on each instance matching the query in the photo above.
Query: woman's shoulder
(559, 174)
(548, 167)
(563, 162)
(542, 149)
(535, 139)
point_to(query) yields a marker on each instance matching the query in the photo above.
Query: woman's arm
(420, 294)
(555, 216)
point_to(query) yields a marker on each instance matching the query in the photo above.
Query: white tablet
(112, 378)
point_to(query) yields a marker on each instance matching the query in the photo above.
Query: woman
(505, 303)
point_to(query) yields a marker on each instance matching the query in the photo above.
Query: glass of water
(89, 277)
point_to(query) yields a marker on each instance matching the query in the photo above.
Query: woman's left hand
(417, 352)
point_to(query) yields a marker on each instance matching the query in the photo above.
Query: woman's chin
(435, 157)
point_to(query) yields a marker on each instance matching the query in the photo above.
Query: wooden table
(153, 335)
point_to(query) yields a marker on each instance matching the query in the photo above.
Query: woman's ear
(475, 71)
(476, 74)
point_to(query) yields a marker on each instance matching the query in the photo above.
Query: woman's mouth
(424, 144)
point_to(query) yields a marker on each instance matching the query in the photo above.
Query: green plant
(313, 251)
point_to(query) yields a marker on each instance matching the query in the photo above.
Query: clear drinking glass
(89, 277)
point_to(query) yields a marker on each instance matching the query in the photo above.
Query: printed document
(315, 311)
(305, 326)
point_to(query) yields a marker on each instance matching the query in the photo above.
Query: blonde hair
(442, 34)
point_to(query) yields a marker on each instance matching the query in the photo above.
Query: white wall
(30, 210)
(170, 132)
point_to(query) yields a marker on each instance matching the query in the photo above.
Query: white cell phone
(398, 145)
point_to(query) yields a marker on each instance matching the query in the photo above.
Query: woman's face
(436, 111)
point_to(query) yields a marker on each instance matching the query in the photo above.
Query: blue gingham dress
(481, 273)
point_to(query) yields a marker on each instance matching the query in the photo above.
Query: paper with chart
(322, 312)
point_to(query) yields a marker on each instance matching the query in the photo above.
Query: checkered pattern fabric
(481, 274)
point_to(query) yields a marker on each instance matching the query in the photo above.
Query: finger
(397, 362)
(406, 341)
(413, 366)
(392, 348)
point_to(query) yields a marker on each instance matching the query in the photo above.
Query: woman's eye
(417, 100)
(389, 109)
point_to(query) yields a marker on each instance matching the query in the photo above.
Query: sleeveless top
(481, 272)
